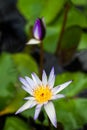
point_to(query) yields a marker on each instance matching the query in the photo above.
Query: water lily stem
(67, 7)
(41, 59)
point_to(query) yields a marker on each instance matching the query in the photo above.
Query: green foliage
(83, 42)
(79, 82)
(71, 38)
(32, 9)
(79, 2)
(72, 113)
(76, 17)
(8, 78)
(13, 123)
(49, 13)
(11, 67)
(50, 42)
(25, 64)
(69, 43)
(53, 12)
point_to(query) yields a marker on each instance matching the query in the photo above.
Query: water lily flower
(42, 93)
(39, 31)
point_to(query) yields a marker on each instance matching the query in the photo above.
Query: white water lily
(42, 93)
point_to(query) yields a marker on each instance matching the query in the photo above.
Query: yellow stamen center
(42, 94)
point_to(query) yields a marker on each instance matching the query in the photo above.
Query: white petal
(30, 82)
(33, 42)
(51, 75)
(51, 79)
(50, 110)
(26, 86)
(37, 111)
(58, 96)
(29, 98)
(44, 78)
(45, 102)
(33, 104)
(28, 90)
(51, 82)
(27, 105)
(24, 82)
(60, 87)
(36, 79)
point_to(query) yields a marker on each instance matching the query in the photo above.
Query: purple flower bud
(39, 29)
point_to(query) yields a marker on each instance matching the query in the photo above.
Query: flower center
(42, 94)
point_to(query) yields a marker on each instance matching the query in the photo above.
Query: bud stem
(41, 59)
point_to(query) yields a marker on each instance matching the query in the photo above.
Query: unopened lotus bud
(39, 29)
